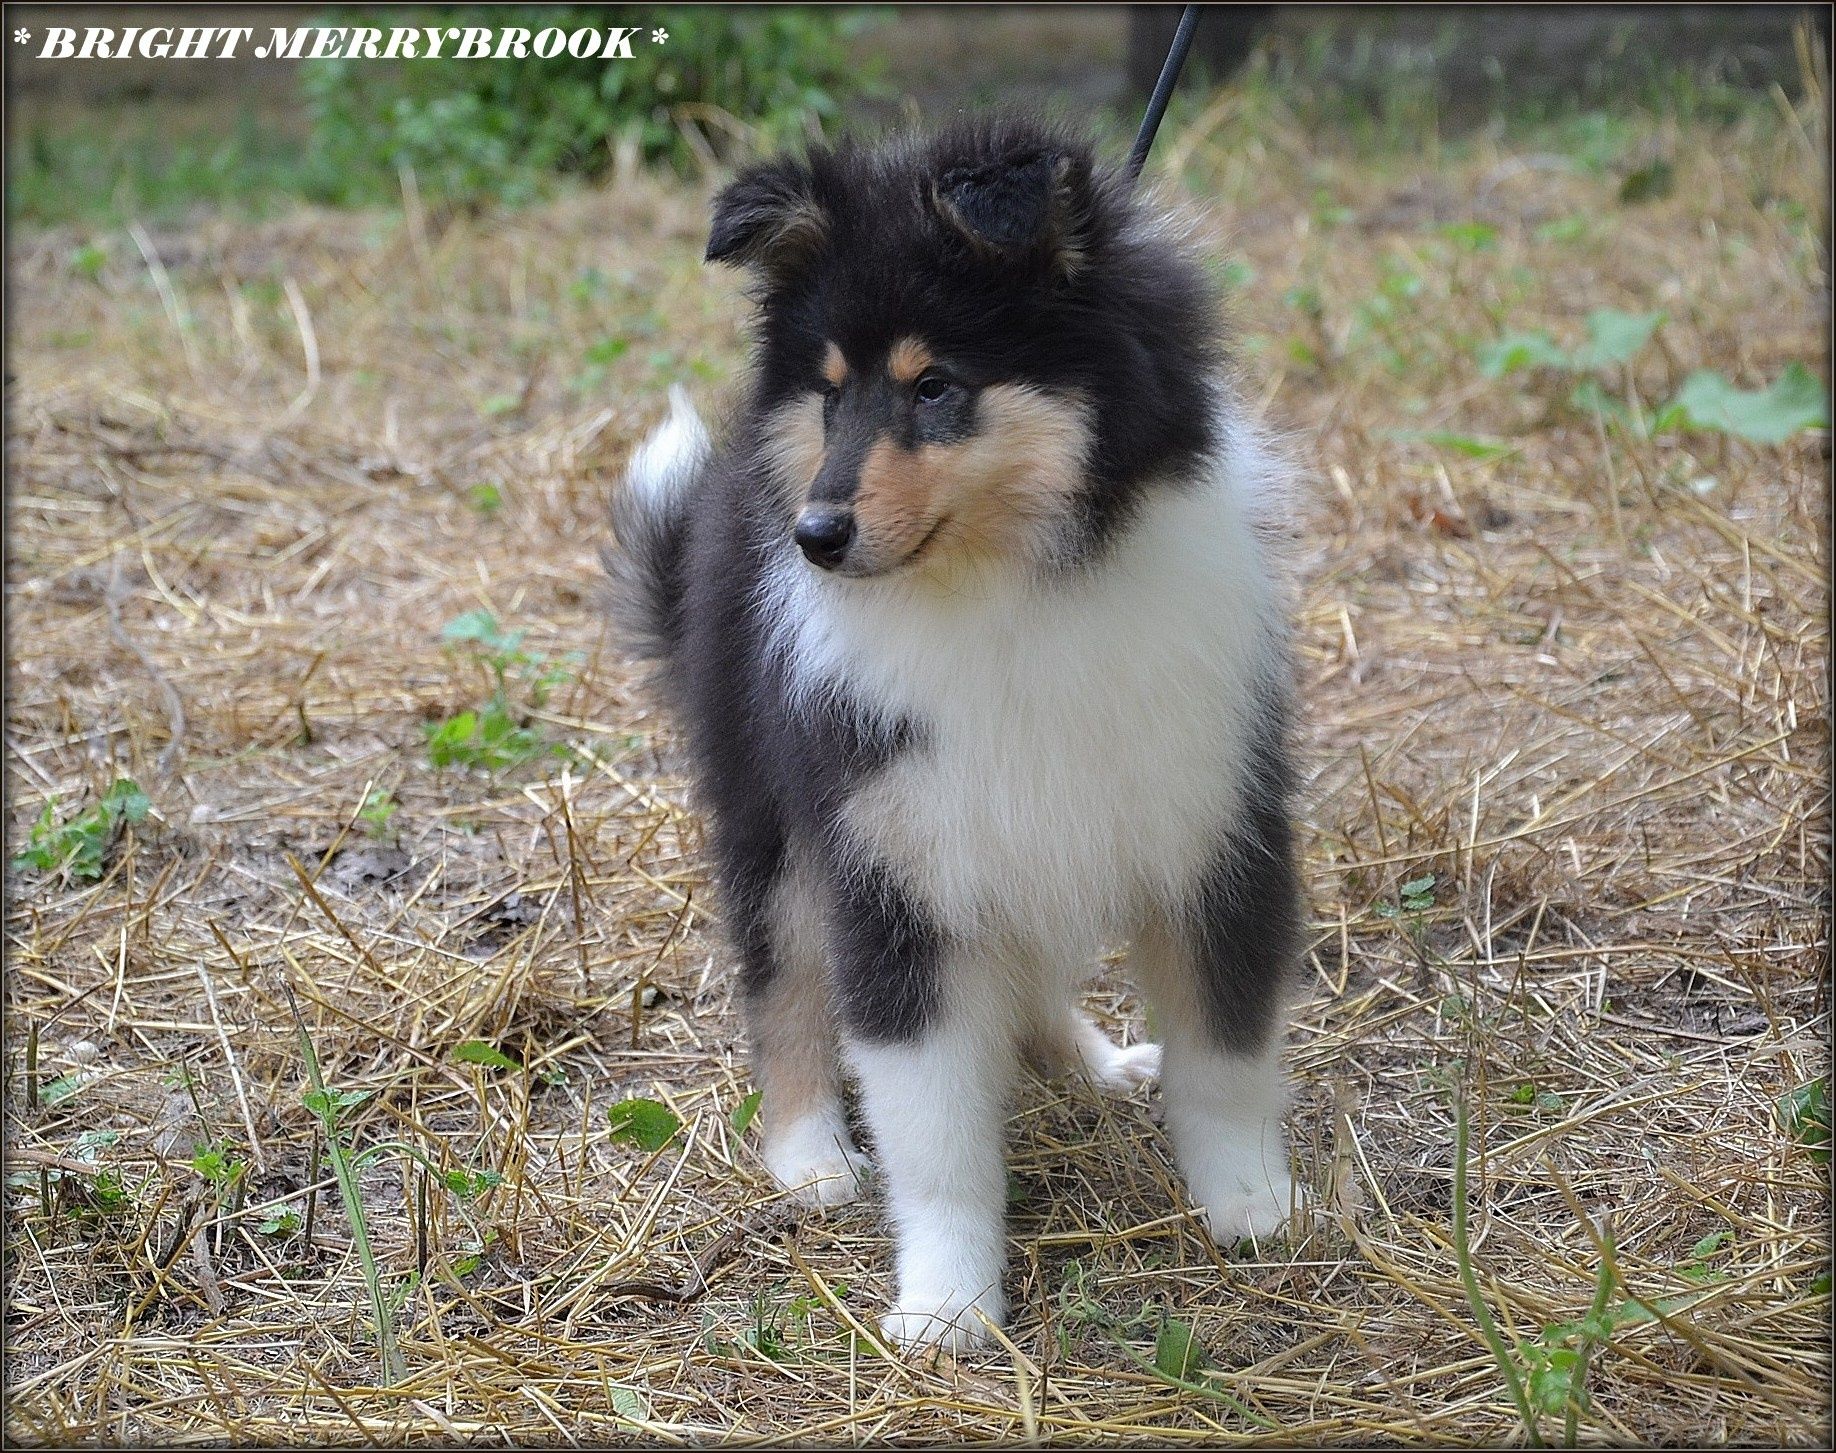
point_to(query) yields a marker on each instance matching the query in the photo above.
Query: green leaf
(1588, 397)
(745, 1110)
(1614, 337)
(474, 625)
(1562, 229)
(91, 1143)
(107, 1193)
(1471, 236)
(328, 1104)
(1471, 446)
(1177, 1352)
(88, 261)
(60, 1090)
(78, 846)
(1795, 400)
(1513, 351)
(477, 1052)
(1649, 183)
(214, 1163)
(1418, 893)
(447, 740)
(469, 1186)
(1552, 1377)
(608, 350)
(1235, 275)
(644, 1122)
(1803, 1113)
(284, 1223)
(1708, 1245)
(126, 802)
(628, 1403)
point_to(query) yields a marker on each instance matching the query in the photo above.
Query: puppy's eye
(934, 388)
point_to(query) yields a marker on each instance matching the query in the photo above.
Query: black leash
(1163, 90)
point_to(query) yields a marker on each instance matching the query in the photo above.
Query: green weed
(79, 1188)
(328, 1106)
(1794, 401)
(1180, 1360)
(280, 1224)
(1547, 1376)
(1469, 1282)
(1414, 901)
(77, 848)
(1706, 403)
(496, 736)
(379, 806)
(1613, 338)
(219, 1164)
(486, 498)
(1803, 1113)
(88, 261)
(1701, 1265)
(477, 1052)
(127, 161)
(644, 1123)
(504, 128)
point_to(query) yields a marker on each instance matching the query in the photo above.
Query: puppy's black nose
(823, 534)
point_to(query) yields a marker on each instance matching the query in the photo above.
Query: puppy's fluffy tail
(650, 526)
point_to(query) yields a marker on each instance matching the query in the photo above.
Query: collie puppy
(972, 625)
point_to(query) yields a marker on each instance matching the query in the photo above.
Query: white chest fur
(1082, 743)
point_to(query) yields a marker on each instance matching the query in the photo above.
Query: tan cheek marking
(794, 446)
(908, 359)
(894, 507)
(1016, 477)
(834, 366)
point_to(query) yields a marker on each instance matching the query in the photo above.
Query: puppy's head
(941, 346)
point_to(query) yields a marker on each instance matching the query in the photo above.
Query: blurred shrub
(499, 128)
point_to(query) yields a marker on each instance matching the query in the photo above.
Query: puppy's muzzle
(824, 533)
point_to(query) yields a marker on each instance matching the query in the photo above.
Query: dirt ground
(1565, 759)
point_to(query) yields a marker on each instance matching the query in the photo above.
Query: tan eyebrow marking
(908, 359)
(834, 366)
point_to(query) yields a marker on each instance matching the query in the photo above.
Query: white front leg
(1223, 1103)
(1223, 1114)
(937, 1107)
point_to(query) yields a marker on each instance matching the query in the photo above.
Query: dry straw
(1580, 681)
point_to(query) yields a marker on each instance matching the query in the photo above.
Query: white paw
(1256, 1210)
(949, 1324)
(815, 1161)
(1122, 1071)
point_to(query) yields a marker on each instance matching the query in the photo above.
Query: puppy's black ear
(1032, 206)
(767, 217)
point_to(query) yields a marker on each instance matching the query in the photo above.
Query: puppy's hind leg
(1218, 970)
(1066, 1040)
(795, 1053)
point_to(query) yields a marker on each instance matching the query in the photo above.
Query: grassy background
(1565, 661)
